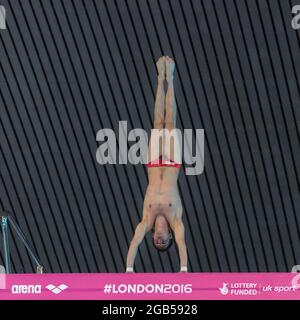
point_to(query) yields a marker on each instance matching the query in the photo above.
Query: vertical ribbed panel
(71, 67)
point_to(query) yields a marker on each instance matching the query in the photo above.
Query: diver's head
(162, 235)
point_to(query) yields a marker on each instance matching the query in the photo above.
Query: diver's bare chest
(159, 201)
(160, 208)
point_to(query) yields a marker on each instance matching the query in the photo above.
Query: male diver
(162, 212)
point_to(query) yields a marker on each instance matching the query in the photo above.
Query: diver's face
(161, 235)
(161, 240)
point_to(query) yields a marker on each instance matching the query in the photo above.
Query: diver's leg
(171, 108)
(172, 146)
(155, 148)
(159, 108)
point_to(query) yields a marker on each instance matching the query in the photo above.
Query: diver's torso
(162, 195)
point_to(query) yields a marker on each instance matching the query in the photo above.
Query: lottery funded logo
(239, 288)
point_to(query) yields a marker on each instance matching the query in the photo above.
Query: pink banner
(151, 286)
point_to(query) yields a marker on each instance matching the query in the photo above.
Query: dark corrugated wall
(71, 67)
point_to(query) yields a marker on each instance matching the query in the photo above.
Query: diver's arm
(178, 228)
(139, 235)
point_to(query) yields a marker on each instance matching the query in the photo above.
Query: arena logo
(57, 289)
(26, 289)
(163, 141)
(296, 18)
(2, 18)
(36, 289)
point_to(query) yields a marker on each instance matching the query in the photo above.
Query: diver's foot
(161, 68)
(170, 68)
